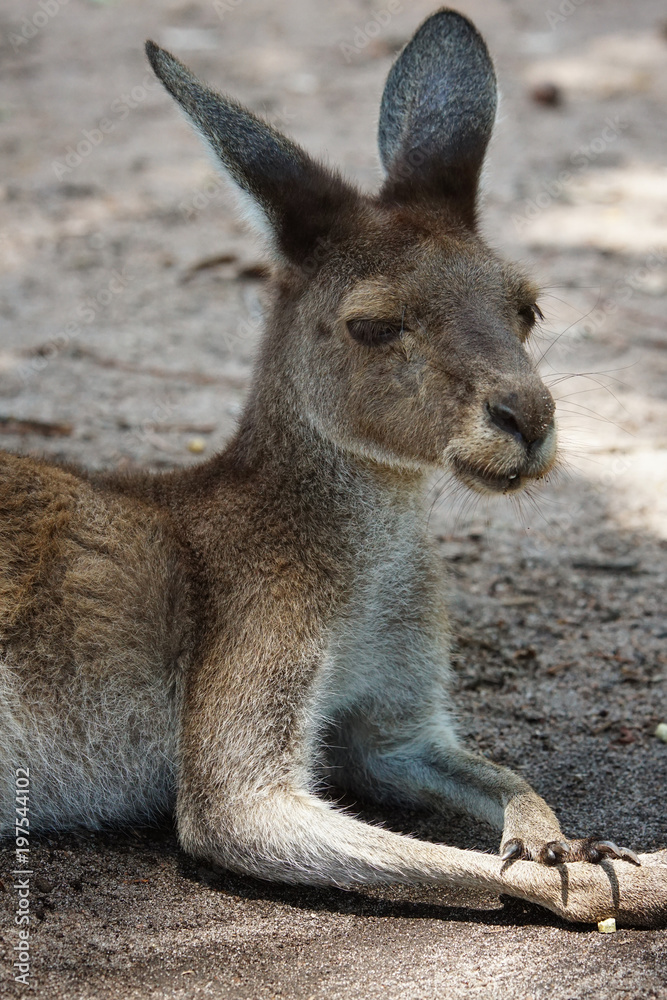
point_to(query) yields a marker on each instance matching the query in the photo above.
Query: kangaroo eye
(374, 332)
(530, 315)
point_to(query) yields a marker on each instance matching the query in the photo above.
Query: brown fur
(226, 638)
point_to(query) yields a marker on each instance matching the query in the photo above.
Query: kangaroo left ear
(289, 197)
(437, 114)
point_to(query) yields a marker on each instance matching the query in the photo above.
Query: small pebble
(607, 926)
(661, 732)
(196, 445)
(43, 884)
(547, 94)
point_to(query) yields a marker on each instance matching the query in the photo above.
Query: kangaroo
(227, 640)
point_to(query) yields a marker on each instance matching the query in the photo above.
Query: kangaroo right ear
(289, 197)
(437, 113)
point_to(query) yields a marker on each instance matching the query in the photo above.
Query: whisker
(593, 415)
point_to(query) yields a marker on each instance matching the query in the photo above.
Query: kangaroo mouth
(483, 480)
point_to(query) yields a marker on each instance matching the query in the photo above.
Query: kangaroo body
(226, 641)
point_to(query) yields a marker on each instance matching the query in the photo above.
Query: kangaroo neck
(284, 451)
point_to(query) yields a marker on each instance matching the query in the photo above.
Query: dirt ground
(129, 307)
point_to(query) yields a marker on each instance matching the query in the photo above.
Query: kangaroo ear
(290, 198)
(437, 113)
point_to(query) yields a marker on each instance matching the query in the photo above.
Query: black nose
(528, 423)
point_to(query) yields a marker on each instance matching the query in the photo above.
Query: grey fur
(283, 182)
(439, 106)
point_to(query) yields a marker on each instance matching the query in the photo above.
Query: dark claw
(611, 850)
(555, 852)
(513, 849)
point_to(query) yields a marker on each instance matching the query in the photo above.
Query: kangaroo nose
(527, 422)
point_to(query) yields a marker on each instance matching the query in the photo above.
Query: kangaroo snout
(527, 417)
(509, 441)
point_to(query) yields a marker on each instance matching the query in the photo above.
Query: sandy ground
(129, 305)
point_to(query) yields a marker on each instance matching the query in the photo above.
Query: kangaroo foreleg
(439, 774)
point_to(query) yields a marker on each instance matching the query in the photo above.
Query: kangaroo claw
(513, 849)
(609, 849)
(556, 852)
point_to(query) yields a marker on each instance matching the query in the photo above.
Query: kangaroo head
(396, 331)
